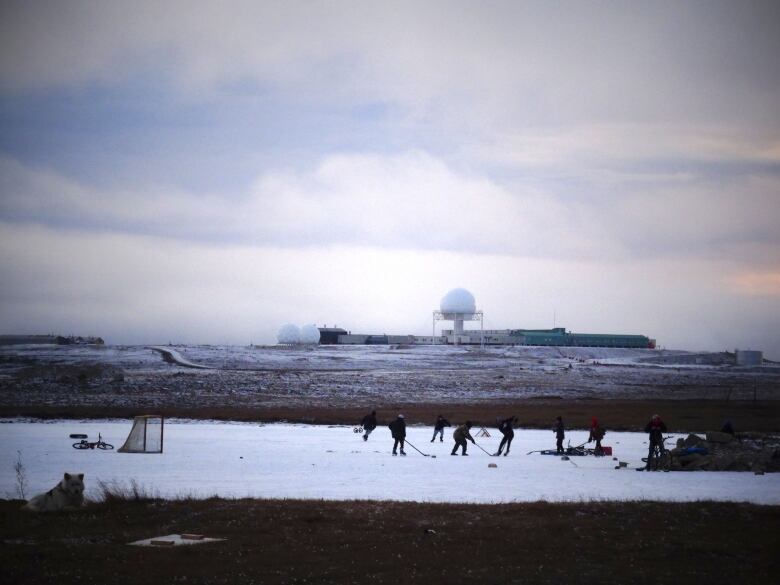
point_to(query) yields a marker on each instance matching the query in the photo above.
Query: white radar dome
(458, 300)
(289, 334)
(310, 334)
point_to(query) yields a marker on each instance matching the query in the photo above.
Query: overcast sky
(206, 172)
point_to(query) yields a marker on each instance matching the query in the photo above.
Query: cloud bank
(166, 168)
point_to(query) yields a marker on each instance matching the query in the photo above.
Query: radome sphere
(289, 334)
(310, 334)
(458, 300)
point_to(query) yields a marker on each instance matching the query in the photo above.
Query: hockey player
(506, 429)
(441, 422)
(369, 424)
(460, 435)
(559, 434)
(398, 430)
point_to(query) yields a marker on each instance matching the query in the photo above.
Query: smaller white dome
(458, 300)
(310, 334)
(289, 334)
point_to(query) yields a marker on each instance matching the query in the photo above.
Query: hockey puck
(78, 436)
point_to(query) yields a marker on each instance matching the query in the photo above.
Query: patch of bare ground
(290, 541)
(615, 414)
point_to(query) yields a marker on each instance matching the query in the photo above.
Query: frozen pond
(204, 459)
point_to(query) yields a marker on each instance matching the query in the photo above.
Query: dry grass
(629, 415)
(289, 541)
(114, 493)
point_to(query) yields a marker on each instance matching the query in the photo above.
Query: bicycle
(99, 444)
(660, 458)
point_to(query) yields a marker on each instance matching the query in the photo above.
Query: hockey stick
(420, 452)
(568, 446)
(486, 453)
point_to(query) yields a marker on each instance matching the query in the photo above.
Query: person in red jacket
(655, 429)
(596, 434)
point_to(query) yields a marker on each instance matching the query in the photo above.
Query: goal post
(146, 436)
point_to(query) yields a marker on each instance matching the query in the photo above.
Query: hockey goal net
(146, 436)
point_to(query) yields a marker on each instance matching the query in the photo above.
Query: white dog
(69, 493)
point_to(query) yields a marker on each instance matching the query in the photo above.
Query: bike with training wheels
(99, 444)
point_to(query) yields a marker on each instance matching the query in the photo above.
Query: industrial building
(459, 306)
(557, 336)
(552, 337)
(49, 340)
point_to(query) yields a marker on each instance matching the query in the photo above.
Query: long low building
(557, 336)
(49, 340)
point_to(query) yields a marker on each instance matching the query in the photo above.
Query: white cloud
(410, 200)
(416, 201)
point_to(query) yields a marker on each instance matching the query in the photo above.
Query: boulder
(691, 441)
(701, 462)
(718, 437)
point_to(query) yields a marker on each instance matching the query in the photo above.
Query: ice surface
(203, 459)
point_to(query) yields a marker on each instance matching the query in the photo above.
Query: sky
(203, 172)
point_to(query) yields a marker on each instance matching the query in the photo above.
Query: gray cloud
(416, 201)
(592, 156)
(533, 62)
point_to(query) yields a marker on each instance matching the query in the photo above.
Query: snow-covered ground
(338, 376)
(356, 357)
(203, 459)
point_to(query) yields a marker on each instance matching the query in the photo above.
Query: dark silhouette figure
(460, 435)
(438, 428)
(506, 429)
(369, 424)
(559, 434)
(398, 430)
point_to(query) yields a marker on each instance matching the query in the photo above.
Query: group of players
(462, 433)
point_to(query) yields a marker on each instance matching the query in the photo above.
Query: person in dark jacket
(655, 429)
(398, 430)
(369, 424)
(441, 422)
(505, 426)
(596, 434)
(559, 434)
(460, 435)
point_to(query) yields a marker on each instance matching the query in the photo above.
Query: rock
(692, 441)
(718, 437)
(690, 460)
(700, 462)
(756, 452)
